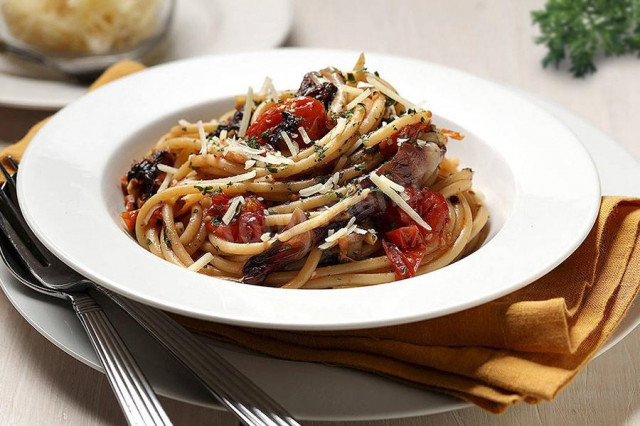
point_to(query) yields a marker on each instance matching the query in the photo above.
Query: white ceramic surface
(338, 393)
(200, 27)
(541, 205)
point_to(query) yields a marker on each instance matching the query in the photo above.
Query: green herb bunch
(580, 29)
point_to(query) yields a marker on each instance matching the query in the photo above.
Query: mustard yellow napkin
(526, 346)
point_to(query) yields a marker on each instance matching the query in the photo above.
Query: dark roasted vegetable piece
(146, 171)
(232, 124)
(281, 253)
(314, 88)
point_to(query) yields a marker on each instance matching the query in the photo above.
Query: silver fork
(250, 404)
(133, 391)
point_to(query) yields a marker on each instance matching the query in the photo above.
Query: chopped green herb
(207, 190)
(252, 142)
(351, 77)
(389, 102)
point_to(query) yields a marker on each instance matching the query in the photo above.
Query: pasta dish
(339, 183)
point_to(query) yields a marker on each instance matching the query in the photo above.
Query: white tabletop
(39, 384)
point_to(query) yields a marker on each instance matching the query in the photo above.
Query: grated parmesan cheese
(201, 263)
(167, 169)
(231, 211)
(242, 148)
(392, 184)
(265, 237)
(364, 95)
(96, 27)
(384, 184)
(314, 189)
(271, 159)
(265, 86)
(322, 188)
(292, 146)
(204, 148)
(246, 115)
(333, 237)
(391, 94)
(165, 183)
(363, 85)
(305, 137)
(352, 90)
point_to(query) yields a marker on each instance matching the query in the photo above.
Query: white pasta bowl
(540, 186)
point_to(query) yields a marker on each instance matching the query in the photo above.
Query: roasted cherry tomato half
(404, 263)
(129, 219)
(245, 227)
(406, 237)
(389, 146)
(288, 116)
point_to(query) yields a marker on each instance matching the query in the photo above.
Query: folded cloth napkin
(526, 346)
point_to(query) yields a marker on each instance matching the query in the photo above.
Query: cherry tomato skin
(431, 206)
(252, 204)
(406, 244)
(226, 232)
(406, 237)
(246, 227)
(405, 264)
(389, 146)
(309, 113)
(129, 218)
(250, 226)
(219, 204)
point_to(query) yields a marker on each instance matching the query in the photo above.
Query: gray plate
(338, 393)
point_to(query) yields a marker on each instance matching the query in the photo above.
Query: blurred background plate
(200, 27)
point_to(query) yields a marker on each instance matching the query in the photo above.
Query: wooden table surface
(39, 384)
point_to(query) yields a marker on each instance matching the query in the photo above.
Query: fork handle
(132, 390)
(243, 398)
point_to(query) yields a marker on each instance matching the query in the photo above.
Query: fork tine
(13, 219)
(18, 267)
(29, 257)
(11, 183)
(13, 162)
